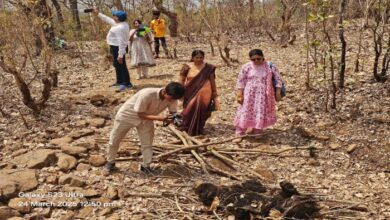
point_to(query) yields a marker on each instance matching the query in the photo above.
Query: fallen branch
(237, 164)
(180, 135)
(255, 151)
(186, 148)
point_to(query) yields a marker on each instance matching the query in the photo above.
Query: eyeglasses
(257, 59)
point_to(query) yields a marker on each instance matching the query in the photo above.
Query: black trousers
(122, 73)
(157, 45)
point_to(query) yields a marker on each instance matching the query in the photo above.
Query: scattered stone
(82, 123)
(73, 150)
(66, 162)
(114, 216)
(98, 100)
(265, 172)
(46, 212)
(51, 179)
(89, 143)
(102, 114)
(6, 213)
(97, 122)
(351, 148)
(83, 167)
(36, 159)
(69, 216)
(71, 179)
(334, 146)
(53, 130)
(90, 193)
(18, 204)
(112, 193)
(82, 133)
(62, 141)
(105, 211)
(313, 162)
(85, 212)
(140, 217)
(97, 160)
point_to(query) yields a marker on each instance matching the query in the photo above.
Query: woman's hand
(278, 96)
(217, 105)
(240, 96)
(240, 99)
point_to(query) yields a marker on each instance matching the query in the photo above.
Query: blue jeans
(122, 73)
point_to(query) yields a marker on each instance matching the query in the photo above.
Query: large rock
(82, 133)
(73, 150)
(36, 159)
(8, 188)
(97, 122)
(6, 212)
(61, 141)
(66, 162)
(112, 193)
(16, 180)
(83, 167)
(71, 179)
(97, 160)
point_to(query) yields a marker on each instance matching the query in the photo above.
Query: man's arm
(145, 116)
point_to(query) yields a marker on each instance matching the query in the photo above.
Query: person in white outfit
(141, 50)
(117, 38)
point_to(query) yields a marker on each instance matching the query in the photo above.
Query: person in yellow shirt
(158, 27)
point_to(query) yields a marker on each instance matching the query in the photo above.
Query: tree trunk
(174, 24)
(118, 4)
(251, 11)
(59, 12)
(343, 44)
(307, 83)
(75, 14)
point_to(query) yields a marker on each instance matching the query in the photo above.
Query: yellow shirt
(158, 27)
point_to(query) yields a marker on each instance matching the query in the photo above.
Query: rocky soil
(51, 164)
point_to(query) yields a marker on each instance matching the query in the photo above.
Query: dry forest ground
(350, 166)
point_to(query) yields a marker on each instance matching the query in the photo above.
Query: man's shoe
(122, 88)
(115, 85)
(108, 168)
(129, 86)
(147, 170)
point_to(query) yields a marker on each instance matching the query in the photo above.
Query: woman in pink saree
(200, 96)
(256, 95)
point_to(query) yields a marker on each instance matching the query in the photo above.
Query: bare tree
(118, 4)
(60, 16)
(381, 32)
(288, 10)
(75, 13)
(365, 6)
(18, 38)
(343, 43)
(173, 22)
